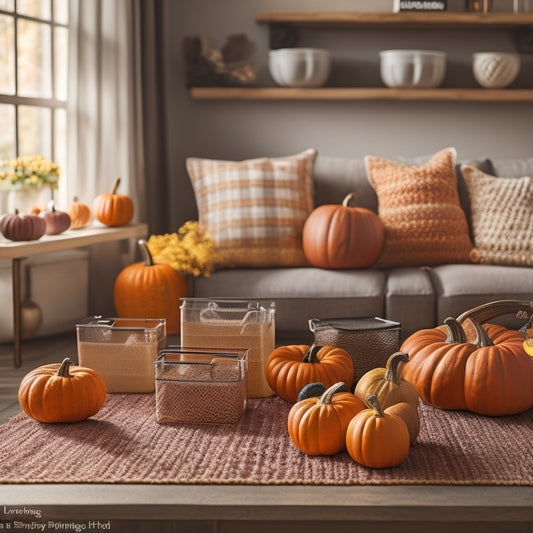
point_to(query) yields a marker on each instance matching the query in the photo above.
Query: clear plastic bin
(201, 386)
(122, 350)
(233, 324)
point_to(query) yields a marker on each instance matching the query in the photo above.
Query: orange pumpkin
(149, 290)
(113, 209)
(489, 374)
(409, 415)
(387, 384)
(317, 426)
(377, 439)
(62, 393)
(290, 368)
(340, 236)
(80, 214)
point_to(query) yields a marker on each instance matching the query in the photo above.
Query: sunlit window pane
(60, 152)
(35, 132)
(34, 59)
(7, 131)
(61, 62)
(7, 55)
(61, 11)
(35, 8)
(7, 5)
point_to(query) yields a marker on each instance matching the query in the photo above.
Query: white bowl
(299, 67)
(412, 68)
(495, 70)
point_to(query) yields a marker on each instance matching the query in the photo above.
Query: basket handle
(485, 312)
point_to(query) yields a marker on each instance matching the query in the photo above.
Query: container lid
(224, 311)
(136, 324)
(352, 324)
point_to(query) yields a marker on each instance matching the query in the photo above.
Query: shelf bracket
(524, 40)
(283, 36)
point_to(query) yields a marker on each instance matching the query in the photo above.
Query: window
(33, 79)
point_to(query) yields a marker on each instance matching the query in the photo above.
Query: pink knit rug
(123, 443)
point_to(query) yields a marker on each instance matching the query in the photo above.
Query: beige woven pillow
(502, 218)
(419, 206)
(255, 209)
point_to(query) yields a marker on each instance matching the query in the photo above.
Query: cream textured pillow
(255, 209)
(419, 206)
(502, 218)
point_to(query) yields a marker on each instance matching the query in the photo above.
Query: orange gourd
(113, 209)
(149, 290)
(290, 368)
(409, 415)
(387, 384)
(80, 214)
(317, 426)
(62, 393)
(486, 371)
(340, 236)
(377, 439)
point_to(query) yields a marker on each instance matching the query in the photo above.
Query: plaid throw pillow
(419, 206)
(255, 209)
(501, 218)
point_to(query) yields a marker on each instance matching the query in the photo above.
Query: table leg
(17, 333)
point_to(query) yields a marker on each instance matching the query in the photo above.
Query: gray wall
(244, 129)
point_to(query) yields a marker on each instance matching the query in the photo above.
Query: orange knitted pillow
(419, 206)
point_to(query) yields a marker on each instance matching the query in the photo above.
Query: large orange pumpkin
(113, 209)
(340, 236)
(376, 438)
(149, 290)
(317, 426)
(487, 373)
(291, 368)
(62, 393)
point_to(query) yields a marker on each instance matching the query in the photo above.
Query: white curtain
(105, 101)
(105, 122)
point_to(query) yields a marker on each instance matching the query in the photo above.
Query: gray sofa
(416, 297)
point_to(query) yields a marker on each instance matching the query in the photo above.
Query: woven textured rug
(123, 443)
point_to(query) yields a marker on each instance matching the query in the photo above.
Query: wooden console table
(54, 243)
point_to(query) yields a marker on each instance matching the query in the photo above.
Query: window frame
(15, 99)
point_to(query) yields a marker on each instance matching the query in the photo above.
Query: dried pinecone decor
(207, 66)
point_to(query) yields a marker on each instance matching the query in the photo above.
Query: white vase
(24, 200)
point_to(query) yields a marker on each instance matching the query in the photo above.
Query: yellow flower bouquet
(191, 250)
(30, 171)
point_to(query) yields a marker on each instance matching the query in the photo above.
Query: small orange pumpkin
(62, 393)
(317, 426)
(80, 214)
(387, 384)
(377, 439)
(291, 368)
(409, 415)
(341, 236)
(149, 290)
(113, 209)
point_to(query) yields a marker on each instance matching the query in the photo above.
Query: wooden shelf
(361, 93)
(444, 20)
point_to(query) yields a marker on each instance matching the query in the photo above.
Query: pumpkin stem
(373, 402)
(115, 186)
(311, 355)
(327, 396)
(63, 369)
(75, 199)
(456, 333)
(145, 253)
(347, 199)
(392, 373)
(483, 338)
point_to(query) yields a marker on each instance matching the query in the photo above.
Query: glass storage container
(122, 350)
(201, 386)
(215, 324)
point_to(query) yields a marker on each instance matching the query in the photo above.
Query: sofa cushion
(462, 287)
(419, 206)
(502, 218)
(255, 209)
(410, 299)
(301, 293)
